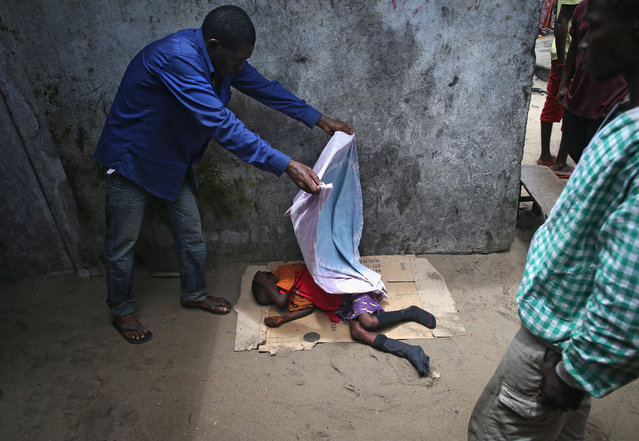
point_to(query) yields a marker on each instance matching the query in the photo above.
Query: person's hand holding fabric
(303, 176)
(331, 126)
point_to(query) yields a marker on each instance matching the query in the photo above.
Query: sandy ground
(67, 375)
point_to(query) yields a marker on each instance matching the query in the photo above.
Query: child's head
(260, 293)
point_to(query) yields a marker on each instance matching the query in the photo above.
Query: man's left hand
(331, 126)
(556, 393)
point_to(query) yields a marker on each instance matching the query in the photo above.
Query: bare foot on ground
(131, 329)
(214, 305)
(546, 160)
(562, 170)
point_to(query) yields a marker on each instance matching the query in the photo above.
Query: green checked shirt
(580, 289)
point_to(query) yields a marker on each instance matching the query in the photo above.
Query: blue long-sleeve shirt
(166, 111)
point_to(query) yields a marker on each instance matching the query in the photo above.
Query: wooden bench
(543, 187)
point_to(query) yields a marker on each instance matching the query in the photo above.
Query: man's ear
(212, 43)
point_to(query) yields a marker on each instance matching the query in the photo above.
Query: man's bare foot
(562, 170)
(546, 160)
(273, 321)
(131, 329)
(214, 305)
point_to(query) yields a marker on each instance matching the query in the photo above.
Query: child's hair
(256, 289)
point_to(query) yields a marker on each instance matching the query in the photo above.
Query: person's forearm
(561, 32)
(272, 94)
(294, 315)
(569, 68)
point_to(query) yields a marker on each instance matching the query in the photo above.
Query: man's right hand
(555, 393)
(563, 91)
(303, 176)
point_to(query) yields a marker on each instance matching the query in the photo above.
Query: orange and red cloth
(303, 292)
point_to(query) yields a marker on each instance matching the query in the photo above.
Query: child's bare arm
(268, 282)
(276, 320)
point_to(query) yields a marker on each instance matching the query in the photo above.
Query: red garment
(587, 98)
(552, 111)
(305, 286)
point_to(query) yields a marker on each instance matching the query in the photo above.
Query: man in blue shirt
(170, 104)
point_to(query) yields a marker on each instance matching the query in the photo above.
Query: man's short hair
(229, 25)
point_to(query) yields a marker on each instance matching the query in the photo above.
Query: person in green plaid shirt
(579, 296)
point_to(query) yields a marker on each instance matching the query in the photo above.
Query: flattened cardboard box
(402, 275)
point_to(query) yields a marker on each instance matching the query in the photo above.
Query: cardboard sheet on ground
(410, 281)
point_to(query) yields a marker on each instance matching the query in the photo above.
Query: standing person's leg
(508, 408)
(124, 212)
(560, 168)
(546, 158)
(576, 135)
(183, 219)
(570, 135)
(584, 130)
(575, 132)
(574, 428)
(551, 113)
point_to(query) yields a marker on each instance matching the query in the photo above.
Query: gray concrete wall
(39, 234)
(437, 92)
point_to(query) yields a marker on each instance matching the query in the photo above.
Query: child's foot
(419, 359)
(421, 316)
(414, 354)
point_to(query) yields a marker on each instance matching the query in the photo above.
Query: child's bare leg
(276, 320)
(368, 321)
(360, 334)
(414, 354)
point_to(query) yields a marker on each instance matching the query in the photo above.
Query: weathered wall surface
(437, 92)
(39, 234)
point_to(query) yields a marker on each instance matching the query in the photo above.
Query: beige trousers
(508, 408)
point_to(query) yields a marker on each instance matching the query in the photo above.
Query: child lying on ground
(292, 287)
